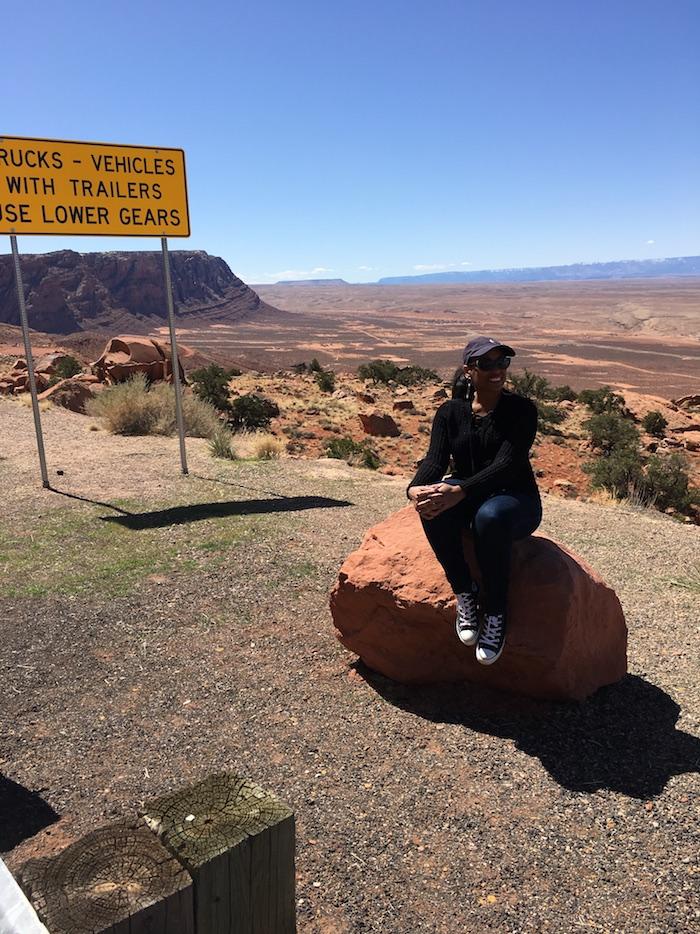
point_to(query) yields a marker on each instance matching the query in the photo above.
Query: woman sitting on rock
(488, 432)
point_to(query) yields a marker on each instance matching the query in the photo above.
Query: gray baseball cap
(478, 346)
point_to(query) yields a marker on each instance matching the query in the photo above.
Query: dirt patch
(438, 809)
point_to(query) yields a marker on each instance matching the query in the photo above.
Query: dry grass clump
(268, 448)
(132, 408)
(221, 444)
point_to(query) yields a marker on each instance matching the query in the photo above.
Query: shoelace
(468, 613)
(491, 633)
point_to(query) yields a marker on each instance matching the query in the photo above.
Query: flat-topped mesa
(119, 291)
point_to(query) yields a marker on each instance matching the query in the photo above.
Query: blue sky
(367, 139)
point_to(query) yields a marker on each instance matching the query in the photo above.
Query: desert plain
(641, 335)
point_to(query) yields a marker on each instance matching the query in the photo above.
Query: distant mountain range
(67, 291)
(311, 282)
(620, 269)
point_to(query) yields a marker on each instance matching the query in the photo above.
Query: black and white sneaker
(467, 622)
(492, 638)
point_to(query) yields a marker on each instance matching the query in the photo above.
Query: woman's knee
(494, 518)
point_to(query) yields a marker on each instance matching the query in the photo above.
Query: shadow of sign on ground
(23, 813)
(623, 738)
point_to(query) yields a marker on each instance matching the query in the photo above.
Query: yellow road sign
(99, 189)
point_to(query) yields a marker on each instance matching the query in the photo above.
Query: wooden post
(116, 880)
(237, 841)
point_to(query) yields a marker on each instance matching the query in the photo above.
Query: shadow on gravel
(178, 515)
(623, 738)
(23, 813)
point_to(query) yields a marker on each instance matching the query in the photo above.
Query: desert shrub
(379, 371)
(548, 416)
(386, 371)
(131, 408)
(68, 367)
(268, 448)
(325, 380)
(666, 480)
(654, 423)
(252, 411)
(413, 375)
(610, 431)
(356, 453)
(531, 385)
(298, 368)
(602, 400)
(618, 472)
(220, 444)
(315, 366)
(211, 384)
(564, 394)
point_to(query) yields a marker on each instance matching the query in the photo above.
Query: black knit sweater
(490, 452)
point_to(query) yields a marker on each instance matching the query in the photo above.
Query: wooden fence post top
(206, 820)
(107, 877)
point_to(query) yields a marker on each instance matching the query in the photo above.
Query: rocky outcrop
(71, 394)
(68, 291)
(379, 425)
(393, 607)
(128, 354)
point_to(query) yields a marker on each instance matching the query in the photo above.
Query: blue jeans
(495, 524)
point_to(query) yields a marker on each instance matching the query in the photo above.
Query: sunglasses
(500, 363)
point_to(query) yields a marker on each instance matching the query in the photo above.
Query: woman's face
(489, 380)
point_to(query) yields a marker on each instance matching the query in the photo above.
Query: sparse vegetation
(609, 431)
(654, 423)
(666, 480)
(385, 371)
(325, 380)
(619, 472)
(531, 385)
(356, 453)
(548, 416)
(221, 444)
(268, 448)
(252, 411)
(132, 408)
(66, 367)
(602, 400)
(211, 384)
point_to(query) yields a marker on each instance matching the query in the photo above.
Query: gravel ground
(441, 809)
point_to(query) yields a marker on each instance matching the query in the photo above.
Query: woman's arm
(434, 464)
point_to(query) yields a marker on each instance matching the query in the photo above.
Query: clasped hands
(435, 498)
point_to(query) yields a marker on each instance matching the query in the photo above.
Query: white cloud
(649, 242)
(366, 268)
(431, 267)
(298, 273)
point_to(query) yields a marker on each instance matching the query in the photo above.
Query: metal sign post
(30, 363)
(174, 359)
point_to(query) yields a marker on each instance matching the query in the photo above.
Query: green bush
(220, 444)
(315, 366)
(548, 416)
(654, 423)
(531, 385)
(298, 368)
(252, 411)
(619, 472)
(132, 408)
(385, 371)
(666, 480)
(564, 394)
(211, 384)
(609, 431)
(325, 380)
(353, 452)
(602, 400)
(68, 366)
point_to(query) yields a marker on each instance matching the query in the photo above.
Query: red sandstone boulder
(403, 405)
(70, 394)
(393, 607)
(378, 425)
(126, 355)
